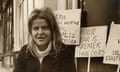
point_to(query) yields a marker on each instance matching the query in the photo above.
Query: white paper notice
(93, 41)
(112, 52)
(69, 23)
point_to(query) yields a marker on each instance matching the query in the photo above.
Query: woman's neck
(42, 48)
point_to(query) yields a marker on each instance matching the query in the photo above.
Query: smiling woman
(41, 33)
(45, 51)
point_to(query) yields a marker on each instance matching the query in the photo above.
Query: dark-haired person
(45, 51)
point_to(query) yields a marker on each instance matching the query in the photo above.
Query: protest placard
(93, 40)
(112, 52)
(69, 22)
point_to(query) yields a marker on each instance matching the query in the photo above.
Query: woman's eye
(36, 28)
(45, 27)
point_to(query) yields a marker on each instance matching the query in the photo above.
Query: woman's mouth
(41, 38)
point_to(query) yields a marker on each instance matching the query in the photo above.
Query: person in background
(45, 51)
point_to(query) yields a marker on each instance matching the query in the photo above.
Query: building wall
(51, 3)
(119, 11)
(100, 12)
(1, 39)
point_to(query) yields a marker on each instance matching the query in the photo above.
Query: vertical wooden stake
(88, 66)
(118, 69)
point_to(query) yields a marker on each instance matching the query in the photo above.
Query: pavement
(5, 69)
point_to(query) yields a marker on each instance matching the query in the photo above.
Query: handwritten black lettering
(112, 58)
(60, 16)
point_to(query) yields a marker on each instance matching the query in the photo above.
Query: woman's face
(40, 32)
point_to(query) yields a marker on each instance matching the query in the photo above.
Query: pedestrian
(45, 51)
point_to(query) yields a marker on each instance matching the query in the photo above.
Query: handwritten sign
(93, 41)
(112, 52)
(69, 23)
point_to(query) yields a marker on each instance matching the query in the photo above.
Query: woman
(45, 51)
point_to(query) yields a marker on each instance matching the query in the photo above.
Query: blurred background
(13, 26)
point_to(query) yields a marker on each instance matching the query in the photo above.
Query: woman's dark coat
(62, 62)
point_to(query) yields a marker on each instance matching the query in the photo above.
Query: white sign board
(69, 23)
(93, 41)
(112, 52)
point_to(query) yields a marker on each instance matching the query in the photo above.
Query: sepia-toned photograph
(59, 35)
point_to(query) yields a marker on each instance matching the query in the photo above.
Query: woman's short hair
(48, 15)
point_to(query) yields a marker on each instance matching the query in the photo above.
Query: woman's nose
(40, 30)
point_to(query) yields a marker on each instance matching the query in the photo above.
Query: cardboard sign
(69, 23)
(93, 40)
(112, 53)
